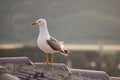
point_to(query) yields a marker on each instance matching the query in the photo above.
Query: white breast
(43, 36)
(43, 45)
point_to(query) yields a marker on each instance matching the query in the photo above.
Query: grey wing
(54, 44)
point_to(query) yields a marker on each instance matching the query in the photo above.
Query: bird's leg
(51, 59)
(47, 59)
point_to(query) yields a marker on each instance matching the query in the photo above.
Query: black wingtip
(67, 52)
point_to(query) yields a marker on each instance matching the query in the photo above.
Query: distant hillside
(71, 21)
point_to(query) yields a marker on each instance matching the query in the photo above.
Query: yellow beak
(34, 23)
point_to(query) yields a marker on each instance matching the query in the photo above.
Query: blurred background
(89, 28)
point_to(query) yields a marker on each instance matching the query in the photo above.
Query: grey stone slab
(15, 60)
(7, 76)
(115, 78)
(56, 66)
(2, 70)
(101, 75)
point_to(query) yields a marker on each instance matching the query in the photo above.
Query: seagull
(48, 44)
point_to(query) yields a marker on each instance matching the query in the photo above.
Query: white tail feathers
(64, 52)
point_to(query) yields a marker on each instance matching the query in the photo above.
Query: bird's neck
(43, 31)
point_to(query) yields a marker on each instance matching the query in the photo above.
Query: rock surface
(27, 70)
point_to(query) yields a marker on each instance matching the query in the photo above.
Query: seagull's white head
(40, 22)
